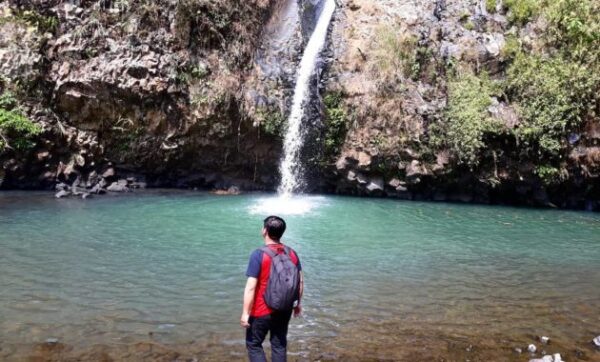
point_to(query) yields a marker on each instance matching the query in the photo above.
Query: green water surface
(171, 264)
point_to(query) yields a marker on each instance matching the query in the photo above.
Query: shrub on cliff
(16, 130)
(521, 11)
(558, 90)
(467, 120)
(553, 97)
(337, 127)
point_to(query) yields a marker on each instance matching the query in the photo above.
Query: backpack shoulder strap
(268, 251)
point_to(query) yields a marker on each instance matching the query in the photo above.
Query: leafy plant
(467, 119)
(575, 27)
(553, 97)
(511, 48)
(521, 11)
(16, 130)
(549, 175)
(271, 121)
(336, 122)
(490, 6)
(44, 23)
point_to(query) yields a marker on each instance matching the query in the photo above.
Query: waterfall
(290, 167)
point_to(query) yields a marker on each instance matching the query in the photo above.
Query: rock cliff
(486, 101)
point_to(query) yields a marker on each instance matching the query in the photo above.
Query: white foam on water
(286, 205)
(290, 168)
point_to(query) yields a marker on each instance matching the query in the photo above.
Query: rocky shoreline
(543, 349)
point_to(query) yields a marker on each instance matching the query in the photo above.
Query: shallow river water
(159, 275)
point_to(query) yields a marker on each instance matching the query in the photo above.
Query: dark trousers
(277, 325)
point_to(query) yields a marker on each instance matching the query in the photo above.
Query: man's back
(258, 317)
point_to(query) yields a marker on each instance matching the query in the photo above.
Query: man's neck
(269, 241)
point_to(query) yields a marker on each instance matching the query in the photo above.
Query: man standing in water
(273, 290)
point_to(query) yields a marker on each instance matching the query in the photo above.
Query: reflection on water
(160, 275)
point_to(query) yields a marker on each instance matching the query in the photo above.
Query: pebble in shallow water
(555, 358)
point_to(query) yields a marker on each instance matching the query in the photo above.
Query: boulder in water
(543, 359)
(548, 358)
(544, 339)
(62, 193)
(596, 341)
(532, 348)
(376, 184)
(61, 186)
(232, 190)
(119, 186)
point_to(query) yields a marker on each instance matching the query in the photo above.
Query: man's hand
(244, 320)
(248, 301)
(297, 311)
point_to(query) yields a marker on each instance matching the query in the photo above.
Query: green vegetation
(336, 119)
(553, 95)
(490, 6)
(549, 175)
(554, 91)
(16, 130)
(521, 11)
(271, 121)
(467, 117)
(575, 28)
(43, 23)
(187, 74)
(469, 25)
(511, 48)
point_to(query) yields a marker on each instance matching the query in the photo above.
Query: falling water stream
(290, 167)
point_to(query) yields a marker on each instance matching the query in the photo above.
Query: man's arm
(298, 308)
(248, 301)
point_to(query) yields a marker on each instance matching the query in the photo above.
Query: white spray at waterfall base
(290, 167)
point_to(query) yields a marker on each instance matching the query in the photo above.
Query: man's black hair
(275, 227)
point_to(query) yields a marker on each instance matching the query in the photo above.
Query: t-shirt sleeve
(299, 264)
(254, 264)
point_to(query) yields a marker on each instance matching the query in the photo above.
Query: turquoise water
(384, 278)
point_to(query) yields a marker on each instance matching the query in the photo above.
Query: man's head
(274, 227)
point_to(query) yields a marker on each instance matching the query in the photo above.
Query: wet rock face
(153, 88)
